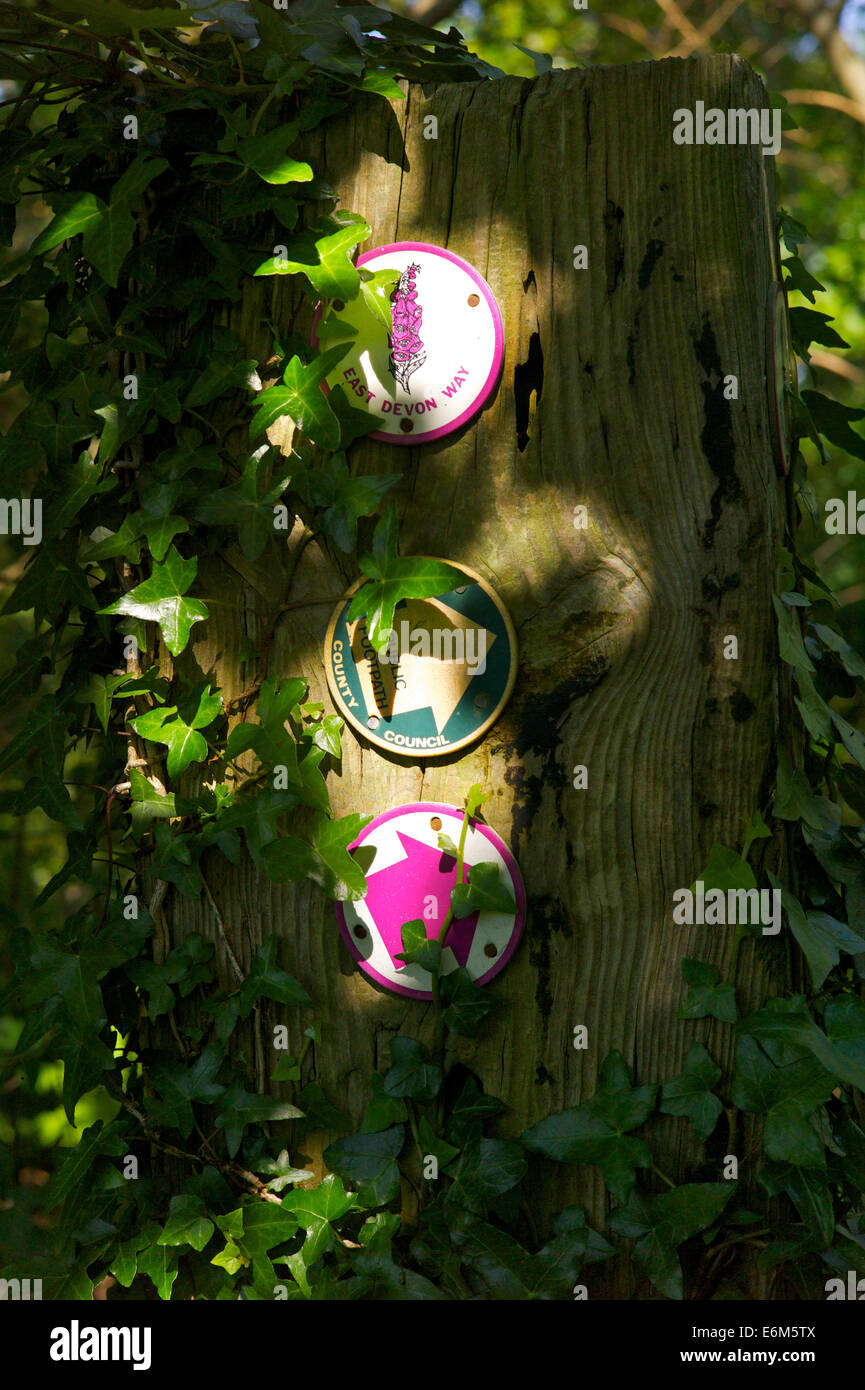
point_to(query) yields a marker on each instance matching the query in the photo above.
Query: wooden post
(615, 397)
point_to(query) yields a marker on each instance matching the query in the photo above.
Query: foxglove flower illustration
(407, 351)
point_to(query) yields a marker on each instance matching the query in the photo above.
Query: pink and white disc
(436, 368)
(410, 878)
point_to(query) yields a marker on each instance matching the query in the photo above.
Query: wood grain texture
(620, 625)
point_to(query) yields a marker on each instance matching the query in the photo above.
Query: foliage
(124, 433)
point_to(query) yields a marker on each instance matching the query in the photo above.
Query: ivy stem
(663, 1176)
(734, 958)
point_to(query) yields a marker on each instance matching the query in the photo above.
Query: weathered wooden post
(620, 494)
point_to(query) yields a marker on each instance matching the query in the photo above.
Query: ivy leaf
(801, 279)
(659, 1225)
(316, 1209)
(690, 1093)
(322, 254)
(821, 936)
(159, 1263)
(147, 803)
(809, 1191)
(788, 1021)
(832, 419)
(485, 1170)
(705, 996)
(725, 869)
(266, 1225)
(418, 948)
(391, 1282)
(368, 1161)
(178, 1085)
(466, 1004)
(808, 326)
(248, 504)
(383, 1110)
(185, 744)
(187, 1223)
(790, 1136)
(393, 578)
(341, 498)
(410, 1073)
(852, 738)
(470, 1111)
(73, 213)
(302, 398)
(108, 242)
(596, 1132)
(852, 662)
(266, 156)
(816, 714)
(244, 1108)
(794, 799)
(159, 599)
(341, 875)
(845, 1025)
(218, 378)
(266, 978)
(486, 891)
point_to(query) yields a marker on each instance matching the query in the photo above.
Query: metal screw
(372, 722)
(436, 822)
(406, 426)
(474, 301)
(490, 949)
(360, 931)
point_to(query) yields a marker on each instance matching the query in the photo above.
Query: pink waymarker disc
(411, 878)
(441, 361)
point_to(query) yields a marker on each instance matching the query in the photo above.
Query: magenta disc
(410, 878)
(442, 359)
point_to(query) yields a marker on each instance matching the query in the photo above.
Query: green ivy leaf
(486, 891)
(73, 214)
(821, 936)
(187, 1223)
(418, 948)
(690, 1093)
(383, 1110)
(410, 1073)
(185, 744)
(706, 998)
(484, 1170)
(316, 1210)
(341, 498)
(159, 1263)
(832, 419)
(302, 398)
(368, 1160)
(393, 578)
(808, 326)
(159, 599)
(466, 1004)
(596, 1132)
(340, 874)
(788, 1021)
(659, 1225)
(790, 638)
(322, 254)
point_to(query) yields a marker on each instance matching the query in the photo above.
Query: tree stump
(612, 398)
